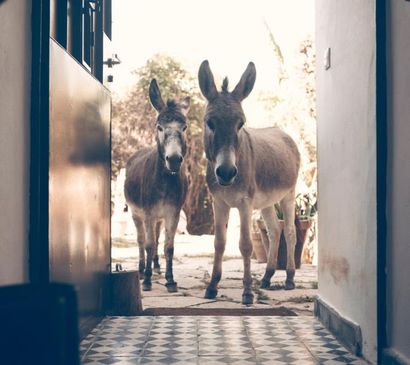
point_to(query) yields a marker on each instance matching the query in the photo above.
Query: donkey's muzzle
(174, 162)
(226, 174)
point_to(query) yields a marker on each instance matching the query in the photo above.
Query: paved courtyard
(193, 268)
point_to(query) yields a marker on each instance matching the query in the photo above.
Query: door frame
(381, 174)
(39, 153)
(39, 146)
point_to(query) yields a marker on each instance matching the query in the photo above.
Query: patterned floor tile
(288, 362)
(169, 360)
(223, 360)
(213, 340)
(111, 361)
(117, 349)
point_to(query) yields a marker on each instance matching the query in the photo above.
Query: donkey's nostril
(234, 172)
(226, 173)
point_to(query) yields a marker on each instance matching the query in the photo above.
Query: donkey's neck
(245, 147)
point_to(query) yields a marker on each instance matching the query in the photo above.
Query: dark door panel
(79, 182)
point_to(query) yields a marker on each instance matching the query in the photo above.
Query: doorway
(329, 292)
(283, 96)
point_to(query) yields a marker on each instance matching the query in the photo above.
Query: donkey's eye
(211, 125)
(240, 125)
(160, 129)
(184, 128)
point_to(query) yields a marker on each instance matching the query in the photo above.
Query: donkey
(247, 169)
(156, 185)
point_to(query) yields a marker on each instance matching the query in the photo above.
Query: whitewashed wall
(15, 79)
(346, 102)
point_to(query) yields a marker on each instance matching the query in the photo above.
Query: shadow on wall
(91, 145)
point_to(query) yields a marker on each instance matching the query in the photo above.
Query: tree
(292, 106)
(133, 127)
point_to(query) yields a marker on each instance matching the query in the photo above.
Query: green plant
(279, 211)
(305, 206)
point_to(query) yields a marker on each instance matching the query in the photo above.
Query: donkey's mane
(225, 84)
(172, 104)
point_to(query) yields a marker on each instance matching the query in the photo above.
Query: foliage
(280, 61)
(133, 127)
(306, 206)
(292, 105)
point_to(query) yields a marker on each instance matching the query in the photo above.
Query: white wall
(15, 79)
(347, 162)
(399, 179)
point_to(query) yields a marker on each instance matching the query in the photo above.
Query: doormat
(280, 311)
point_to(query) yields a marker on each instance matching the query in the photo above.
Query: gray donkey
(247, 169)
(156, 185)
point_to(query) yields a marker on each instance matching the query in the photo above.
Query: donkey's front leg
(221, 217)
(171, 223)
(288, 207)
(157, 267)
(149, 247)
(245, 246)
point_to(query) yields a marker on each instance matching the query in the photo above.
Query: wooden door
(71, 152)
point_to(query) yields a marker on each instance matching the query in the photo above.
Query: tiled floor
(213, 341)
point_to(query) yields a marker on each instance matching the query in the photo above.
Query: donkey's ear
(185, 104)
(155, 96)
(206, 81)
(245, 85)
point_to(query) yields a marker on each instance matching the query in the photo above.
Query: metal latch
(112, 61)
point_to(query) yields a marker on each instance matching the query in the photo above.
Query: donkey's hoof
(146, 286)
(247, 299)
(289, 285)
(172, 287)
(157, 270)
(265, 284)
(211, 293)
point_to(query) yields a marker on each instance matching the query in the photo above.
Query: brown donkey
(247, 169)
(156, 185)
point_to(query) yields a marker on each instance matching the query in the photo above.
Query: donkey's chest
(170, 194)
(264, 199)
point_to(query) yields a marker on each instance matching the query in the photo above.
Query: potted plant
(305, 211)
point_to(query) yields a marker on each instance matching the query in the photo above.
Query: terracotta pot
(302, 227)
(258, 248)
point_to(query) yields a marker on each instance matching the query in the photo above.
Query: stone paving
(192, 273)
